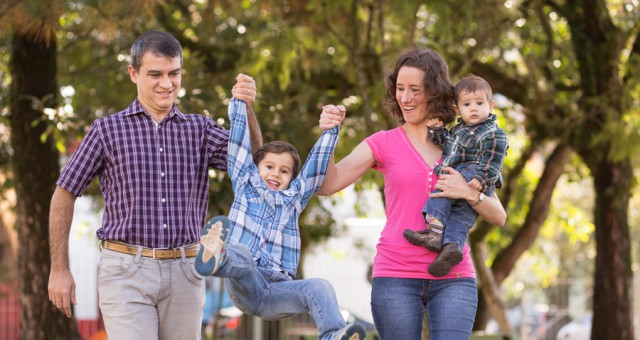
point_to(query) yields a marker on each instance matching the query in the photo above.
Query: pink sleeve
(376, 142)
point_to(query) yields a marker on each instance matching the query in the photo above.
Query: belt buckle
(173, 253)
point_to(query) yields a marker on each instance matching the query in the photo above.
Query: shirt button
(161, 149)
(430, 173)
(163, 200)
(162, 174)
(164, 226)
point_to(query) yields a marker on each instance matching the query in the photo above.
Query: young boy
(261, 258)
(476, 148)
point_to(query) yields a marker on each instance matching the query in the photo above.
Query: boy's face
(474, 107)
(276, 170)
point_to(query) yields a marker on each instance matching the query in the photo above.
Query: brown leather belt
(161, 254)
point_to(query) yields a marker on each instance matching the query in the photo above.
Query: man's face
(158, 82)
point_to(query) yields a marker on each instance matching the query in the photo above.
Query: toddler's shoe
(350, 332)
(424, 238)
(213, 241)
(449, 256)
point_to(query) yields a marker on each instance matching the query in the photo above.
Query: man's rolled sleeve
(85, 164)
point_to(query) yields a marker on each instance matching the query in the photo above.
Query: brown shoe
(424, 238)
(449, 256)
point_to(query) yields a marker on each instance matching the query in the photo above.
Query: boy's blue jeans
(273, 295)
(456, 215)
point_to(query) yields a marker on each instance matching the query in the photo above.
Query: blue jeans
(272, 295)
(456, 215)
(398, 306)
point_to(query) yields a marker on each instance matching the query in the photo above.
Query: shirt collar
(136, 108)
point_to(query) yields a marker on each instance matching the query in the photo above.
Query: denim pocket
(190, 273)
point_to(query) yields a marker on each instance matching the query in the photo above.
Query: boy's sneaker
(446, 260)
(424, 238)
(350, 332)
(213, 241)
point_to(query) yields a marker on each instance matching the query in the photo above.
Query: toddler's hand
(434, 122)
(474, 183)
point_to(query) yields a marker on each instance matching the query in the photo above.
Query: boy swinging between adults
(260, 261)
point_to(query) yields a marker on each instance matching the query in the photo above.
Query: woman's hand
(453, 185)
(331, 116)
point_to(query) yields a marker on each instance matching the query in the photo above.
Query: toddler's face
(276, 170)
(474, 107)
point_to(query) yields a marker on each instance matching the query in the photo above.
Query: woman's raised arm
(348, 170)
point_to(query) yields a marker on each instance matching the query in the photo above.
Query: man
(152, 161)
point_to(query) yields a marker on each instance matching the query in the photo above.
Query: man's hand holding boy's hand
(244, 89)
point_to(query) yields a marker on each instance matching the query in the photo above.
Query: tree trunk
(36, 168)
(598, 45)
(612, 300)
(506, 260)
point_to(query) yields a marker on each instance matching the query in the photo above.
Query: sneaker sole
(355, 332)
(212, 263)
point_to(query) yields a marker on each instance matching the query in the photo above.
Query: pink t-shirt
(408, 180)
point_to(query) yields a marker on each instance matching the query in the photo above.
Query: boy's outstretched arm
(239, 156)
(315, 167)
(245, 90)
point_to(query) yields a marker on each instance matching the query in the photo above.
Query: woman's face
(411, 96)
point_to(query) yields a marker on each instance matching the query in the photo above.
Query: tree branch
(554, 167)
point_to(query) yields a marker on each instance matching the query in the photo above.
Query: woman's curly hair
(437, 84)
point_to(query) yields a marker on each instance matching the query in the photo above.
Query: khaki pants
(145, 298)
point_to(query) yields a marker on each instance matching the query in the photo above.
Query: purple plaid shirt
(153, 177)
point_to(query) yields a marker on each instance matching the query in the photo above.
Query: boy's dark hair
(157, 42)
(437, 84)
(470, 84)
(279, 147)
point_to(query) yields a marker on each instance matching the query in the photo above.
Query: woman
(418, 89)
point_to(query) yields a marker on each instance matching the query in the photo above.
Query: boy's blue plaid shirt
(484, 144)
(265, 220)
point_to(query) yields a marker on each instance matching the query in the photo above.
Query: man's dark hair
(157, 42)
(279, 147)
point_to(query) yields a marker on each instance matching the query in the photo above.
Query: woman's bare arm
(348, 170)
